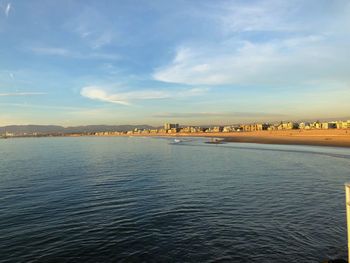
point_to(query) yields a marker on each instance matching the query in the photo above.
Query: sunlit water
(94, 199)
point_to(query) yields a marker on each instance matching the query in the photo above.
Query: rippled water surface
(94, 199)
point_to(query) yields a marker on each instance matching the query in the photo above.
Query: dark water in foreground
(146, 199)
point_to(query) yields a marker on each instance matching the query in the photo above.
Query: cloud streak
(292, 61)
(19, 94)
(36, 106)
(63, 52)
(217, 114)
(125, 98)
(55, 51)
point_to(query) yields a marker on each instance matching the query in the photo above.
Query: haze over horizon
(191, 62)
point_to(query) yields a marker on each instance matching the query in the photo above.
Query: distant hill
(101, 128)
(54, 129)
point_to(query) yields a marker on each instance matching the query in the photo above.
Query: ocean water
(99, 199)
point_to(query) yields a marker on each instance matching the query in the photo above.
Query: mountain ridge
(52, 129)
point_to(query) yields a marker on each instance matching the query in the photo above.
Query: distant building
(343, 124)
(293, 125)
(169, 126)
(287, 126)
(173, 130)
(191, 129)
(247, 128)
(282, 126)
(218, 129)
(348, 124)
(332, 125)
(215, 129)
(273, 127)
(315, 125)
(265, 126)
(304, 126)
(228, 129)
(328, 125)
(9, 134)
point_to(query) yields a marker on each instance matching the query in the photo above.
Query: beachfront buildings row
(293, 126)
(170, 128)
(262, 127)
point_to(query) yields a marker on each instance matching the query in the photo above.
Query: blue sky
(192, 62)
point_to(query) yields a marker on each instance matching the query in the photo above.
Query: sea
(134, 199)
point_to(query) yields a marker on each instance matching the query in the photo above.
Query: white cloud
(16, 94)
(7, 9)
(125, 98)
(268, 42)
(96, 93)
(293, 60)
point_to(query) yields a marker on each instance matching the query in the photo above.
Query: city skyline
(141, 62)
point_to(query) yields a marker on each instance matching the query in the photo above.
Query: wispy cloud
(93, 28)
(266, 15)
(51, 51)
(217, 114)
(125, 98)
(294, 60)
(16, 94)
(8, 9)
(37, 106)
(100, 55)
(94, 39)
(96, 93)
(58, 51)
(266, 42)
(105, 38)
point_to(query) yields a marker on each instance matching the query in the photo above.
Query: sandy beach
(335, 138)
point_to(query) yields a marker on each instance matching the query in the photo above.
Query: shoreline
(331, 138)
(291, 141)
